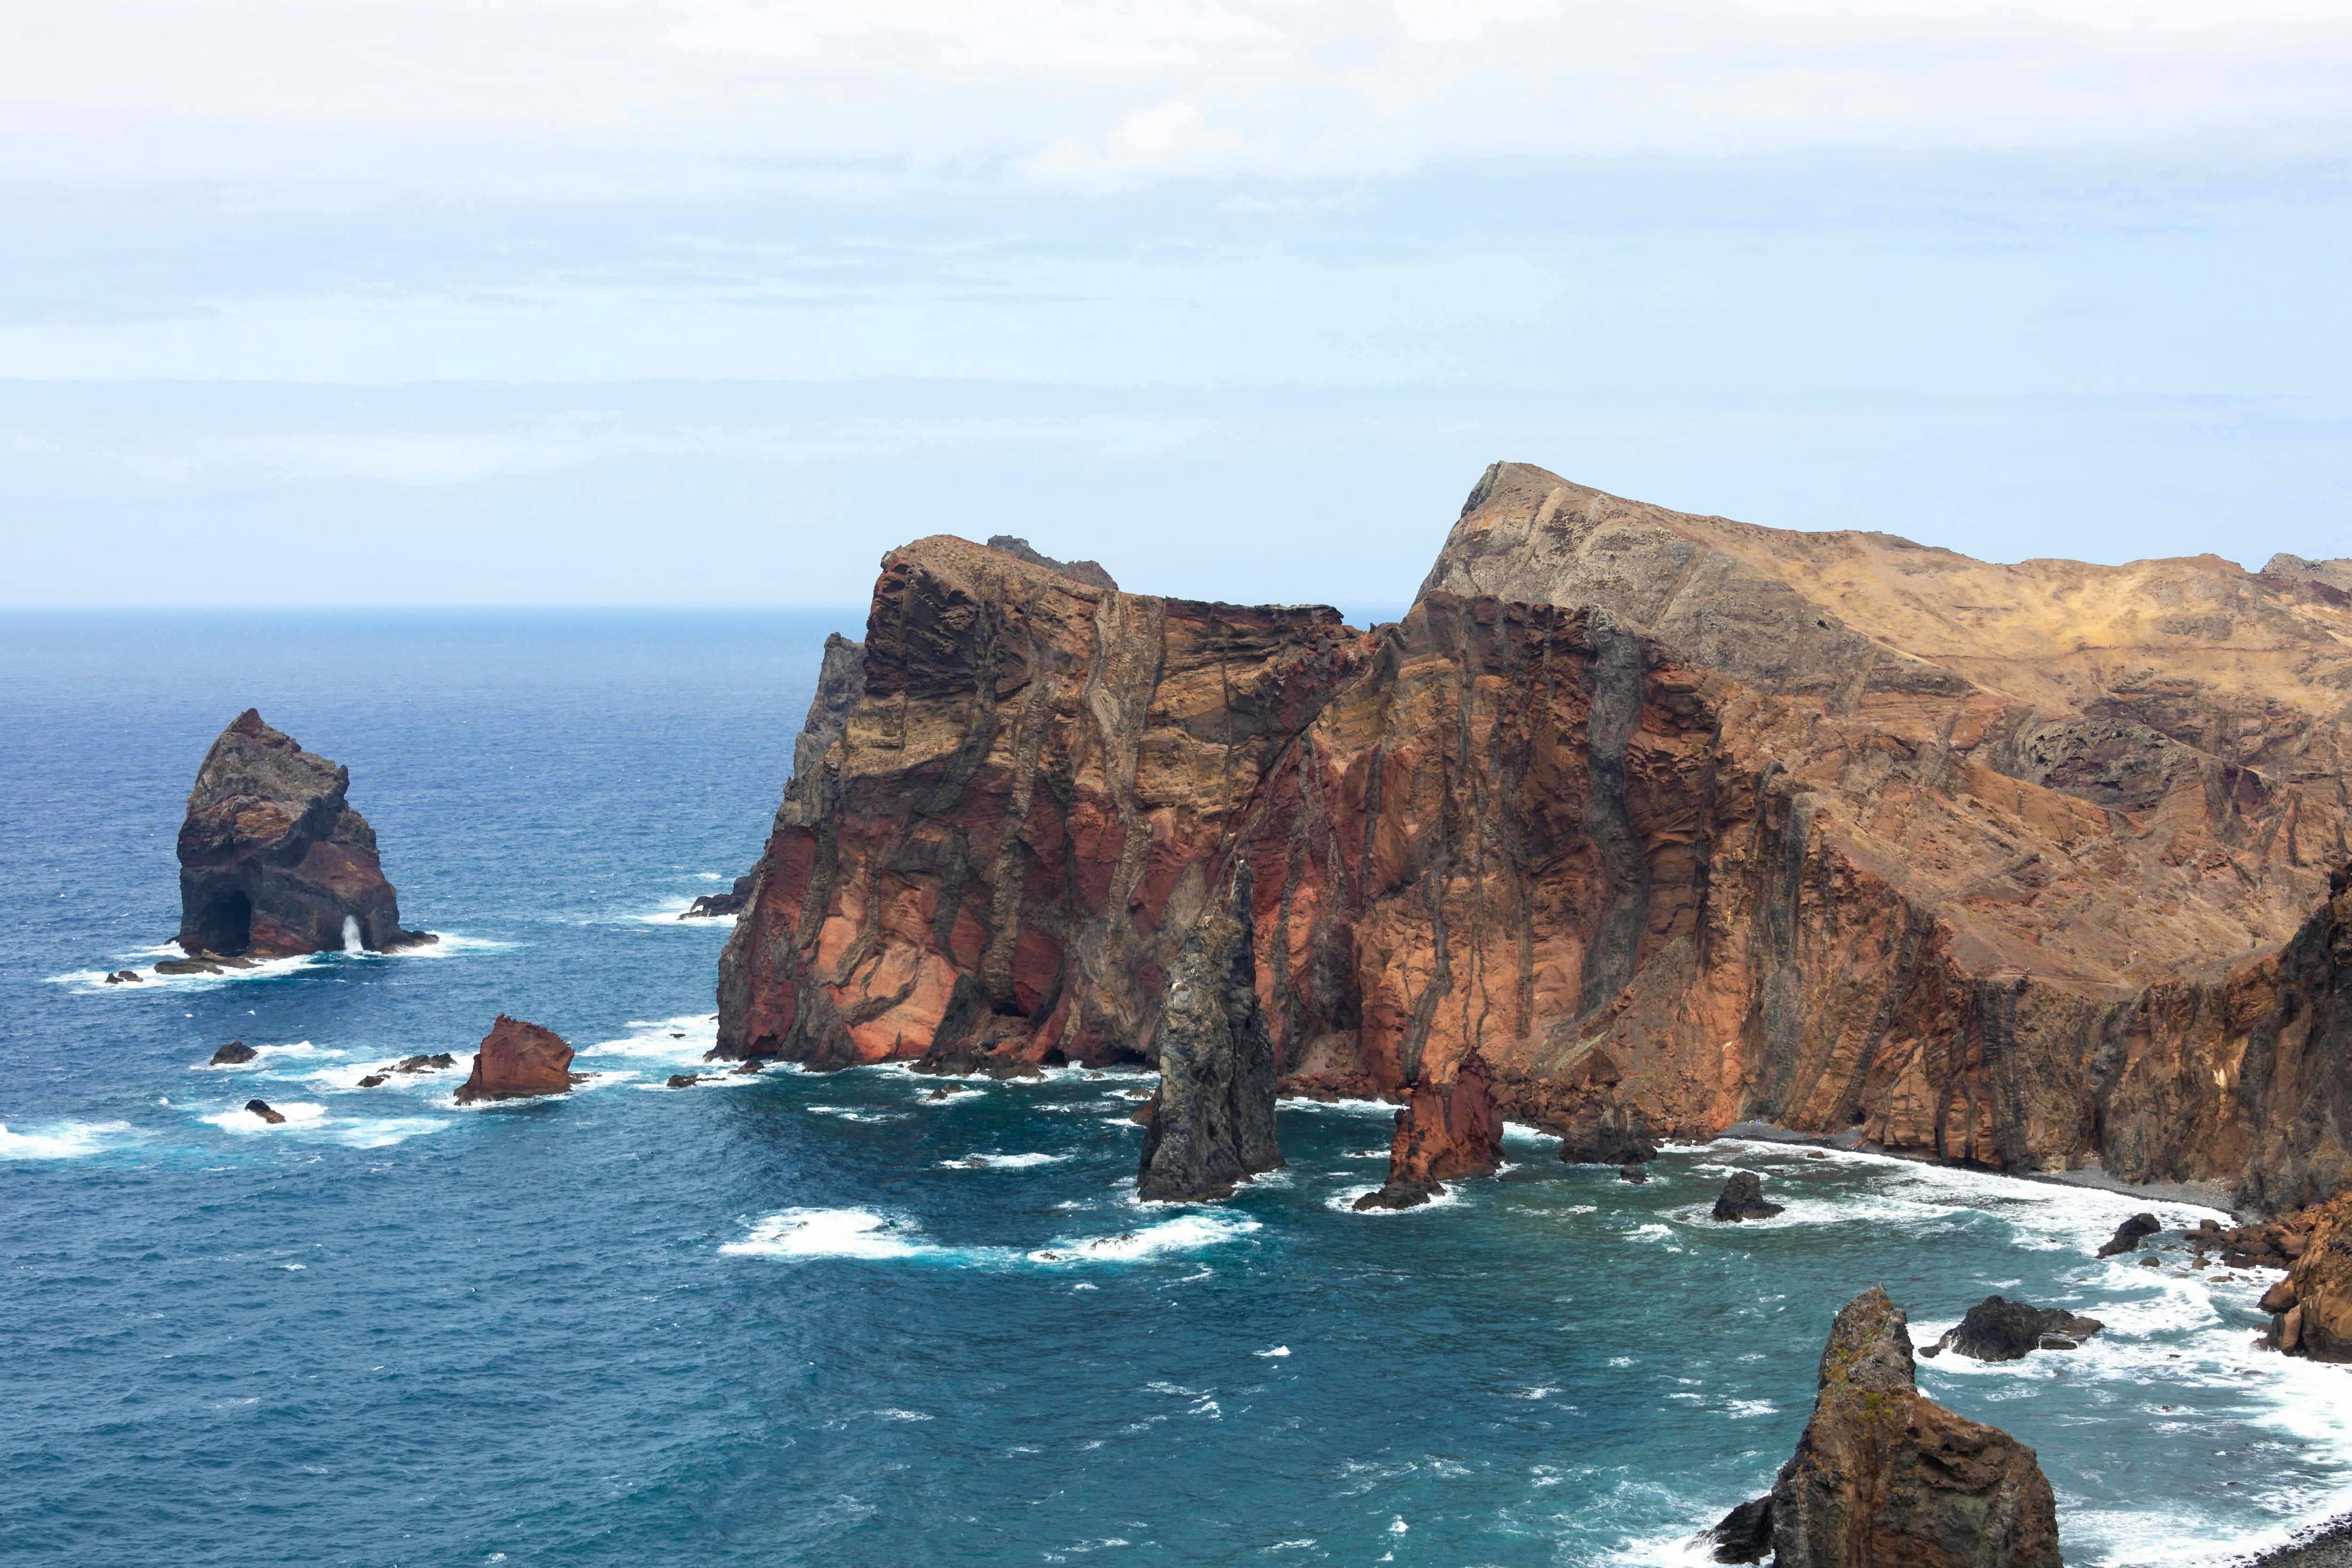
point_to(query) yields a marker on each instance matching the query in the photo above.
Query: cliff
(273, 860)
(2023, 865)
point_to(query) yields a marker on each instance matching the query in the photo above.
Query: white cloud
(1105, 95)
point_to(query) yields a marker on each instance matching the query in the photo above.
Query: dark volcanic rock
(123, 977)
(711, 905)
(437, 1062)
(1743, 1198)
(1634, 1174)
(1996, 1329)
(1608, 1132)
(1884, 1476)
(1401, 1195)
(231, 1053)
(2129, 1234)
(518, 1060)
(272, 858)
(685, 1080)
(261, 1109)
(1212, 1120)
(189, 966)
(1089, 572)
(374, 1080)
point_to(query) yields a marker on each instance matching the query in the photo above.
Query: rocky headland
(273, 860)
(1669, 822)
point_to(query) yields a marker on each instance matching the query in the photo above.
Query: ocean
(795, 1318)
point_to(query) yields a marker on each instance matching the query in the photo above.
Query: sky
(712, 302)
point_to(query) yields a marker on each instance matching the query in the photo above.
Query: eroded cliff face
(1639, 812)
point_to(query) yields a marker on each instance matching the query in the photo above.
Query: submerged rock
(233, 1052)
(2129, 1234)
(261, 1108)
(1634, 1174)
(1996, 1329)
(1213, 1121)
(1743, 1198)
(711, 905)
(273, 861)
(1884, 1476)
(518, 1061)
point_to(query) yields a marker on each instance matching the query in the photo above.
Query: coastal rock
(1633, 1173)
(1608, 1133)
(1743, 1198)
(2129, 1234)
(2318, 1324)
(1447, 1131)
(1884, 1476)
(1401, 1195)
(711, 905)
(1830, 832)
(231, 1054)
(375, 1081)
(261, 1108)
(437, 1062)
(517, 1061)
(687, 1079)
(273, 860)
(1996, 1329)
(1213, 1121)
(123, 977)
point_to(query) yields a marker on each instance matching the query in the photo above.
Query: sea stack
(1886, 1474)
(1445, 1132)
(1213, 1121)
(518, 1061)
(273, 861)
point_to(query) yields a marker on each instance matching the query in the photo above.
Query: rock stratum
(273, 860)
(1668, 822)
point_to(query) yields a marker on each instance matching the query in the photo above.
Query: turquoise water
(830, 1319)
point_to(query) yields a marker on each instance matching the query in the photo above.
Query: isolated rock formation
(1884, 1476)
(1211, 1122)
(515, 1061)
(263, 1109)
(273, 861)
(2026, 866)
(2129, 1234)
(1995, 1330)
(234, 1053)
(1742, 1198)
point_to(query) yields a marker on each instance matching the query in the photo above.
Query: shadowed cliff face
(1645, 811)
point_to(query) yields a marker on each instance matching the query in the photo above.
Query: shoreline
(2327, 1544)
(2201, 1193)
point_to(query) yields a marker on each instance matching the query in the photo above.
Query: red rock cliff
(2024, 866)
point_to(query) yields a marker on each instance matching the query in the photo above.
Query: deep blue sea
(827, 1320)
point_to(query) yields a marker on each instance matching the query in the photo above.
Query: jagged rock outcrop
(516, 1062)
(712, 905)
(1742, 1200)
(2024, 866)
(2130, 1234)
(1447, 1131)
(266, 1112)
(1886, 1475)
(1607, 1133)
(1996, 1329)
(1089, 572)
(273, 860)
(236, 1054)
(1212, 1123)
(2314, 1319)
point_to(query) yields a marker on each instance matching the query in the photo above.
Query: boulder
(1743, 1198)
(374, 1080)
(1401, 1195)
(711, 905)
(1634, 1174)
(273, 860)
(231, 1054)
(1996, 1329)
(518, 1061)
(1608, 1132)
(1213, 1121)
(1886, 1475)
(261, 1108)
(2319, 1322)
(2129, 1234)
(123, 977)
